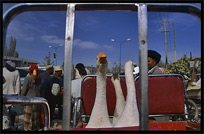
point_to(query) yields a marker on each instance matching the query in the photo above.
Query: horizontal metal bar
(172, 7)
(154, 7)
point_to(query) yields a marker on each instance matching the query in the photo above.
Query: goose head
(101, 64)
(115, 76)
(129, 67)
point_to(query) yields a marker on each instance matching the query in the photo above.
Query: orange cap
(102, 58)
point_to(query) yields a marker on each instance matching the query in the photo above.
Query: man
(11, 77)
(47, 79)
(57, 78)
(32, 87)
(47, 87)
(11, 85)
(153, 60)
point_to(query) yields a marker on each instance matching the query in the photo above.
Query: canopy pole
(68, 66)
(143, 67)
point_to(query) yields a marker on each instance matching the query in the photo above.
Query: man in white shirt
(11, 85)
(12, 79)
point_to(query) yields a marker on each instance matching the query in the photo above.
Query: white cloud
(85, 44)
(52, 39)
(108, 47)
(22, 31)
(91, 45)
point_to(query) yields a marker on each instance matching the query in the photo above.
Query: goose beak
(102, 58)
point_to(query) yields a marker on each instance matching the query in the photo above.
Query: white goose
(130, 115)
(99, 115)
(120, 100)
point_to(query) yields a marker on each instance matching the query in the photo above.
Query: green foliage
(181, 66)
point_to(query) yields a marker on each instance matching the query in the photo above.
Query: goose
(99, 115)
(130, 115)
(120, 100)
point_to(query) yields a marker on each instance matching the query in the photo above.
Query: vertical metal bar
(75, 112)
(68, 66)
(46, 110)
(5, 25)
(144, 106)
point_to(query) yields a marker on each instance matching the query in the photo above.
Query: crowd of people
(49, 85)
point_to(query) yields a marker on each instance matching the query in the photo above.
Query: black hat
(79, 65)
(10, 65)
(154, 55)
(49, 67)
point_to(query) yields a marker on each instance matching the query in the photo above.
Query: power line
(169, 37)
(174, 42)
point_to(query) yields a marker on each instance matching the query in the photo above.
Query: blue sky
(36, 31)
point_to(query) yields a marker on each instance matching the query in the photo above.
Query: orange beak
(102, 58)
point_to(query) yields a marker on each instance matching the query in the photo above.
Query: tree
(47, 60)
(181, 66)
(12, 48)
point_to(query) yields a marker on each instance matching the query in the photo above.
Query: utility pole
(164, 23)
(190, 55)
(174, 42)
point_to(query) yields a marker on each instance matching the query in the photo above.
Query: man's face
(151, 63)
(58, 73)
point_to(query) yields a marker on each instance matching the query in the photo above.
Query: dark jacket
(58, 80)
(47, 84)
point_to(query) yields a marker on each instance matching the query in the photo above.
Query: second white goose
(120, 100)
(130, 115)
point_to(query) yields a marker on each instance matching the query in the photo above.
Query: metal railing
(142, 9)
(23, 100)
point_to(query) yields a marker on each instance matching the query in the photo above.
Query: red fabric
(170, 126)
(164, 97)
(135, 128)
(42, 115)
